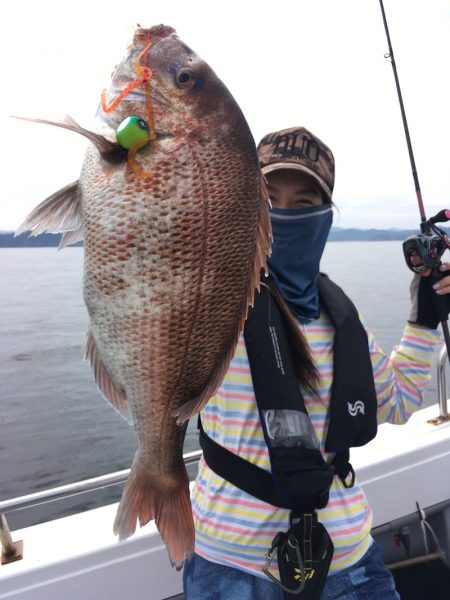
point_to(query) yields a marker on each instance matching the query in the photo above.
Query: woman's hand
(443, 286)
(424, 311)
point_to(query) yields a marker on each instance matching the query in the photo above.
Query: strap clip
(343, 468)
(351, 472)
(291, 540)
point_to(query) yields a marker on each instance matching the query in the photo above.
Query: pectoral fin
(60, 212)
(71, 237)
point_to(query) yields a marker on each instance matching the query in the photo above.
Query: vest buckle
(350, 472)
(343, 468)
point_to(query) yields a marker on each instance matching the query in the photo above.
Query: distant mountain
(7, 240)
(337, 234)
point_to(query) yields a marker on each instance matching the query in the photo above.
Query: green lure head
(131, 130)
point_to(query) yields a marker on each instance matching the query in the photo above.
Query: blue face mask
(299, 237)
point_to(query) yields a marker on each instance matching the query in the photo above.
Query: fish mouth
(138, 94)
(155, 32)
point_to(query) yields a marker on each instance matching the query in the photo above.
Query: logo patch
(355, 408)
(308, 575)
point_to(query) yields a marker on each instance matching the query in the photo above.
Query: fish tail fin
(149, 495)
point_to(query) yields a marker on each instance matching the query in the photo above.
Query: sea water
(55, 428)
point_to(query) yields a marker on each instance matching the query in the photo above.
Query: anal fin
(195, 405)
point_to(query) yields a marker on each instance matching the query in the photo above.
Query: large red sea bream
(174, 216)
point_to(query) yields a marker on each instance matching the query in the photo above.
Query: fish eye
(184, 77)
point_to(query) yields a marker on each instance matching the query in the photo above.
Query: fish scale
(176, 233)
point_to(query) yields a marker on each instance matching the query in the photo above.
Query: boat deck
(79, 557)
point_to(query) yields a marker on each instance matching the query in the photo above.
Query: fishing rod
(423, 251)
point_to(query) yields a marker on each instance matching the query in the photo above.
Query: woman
(234, 529)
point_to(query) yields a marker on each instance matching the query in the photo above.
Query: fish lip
(138, 94)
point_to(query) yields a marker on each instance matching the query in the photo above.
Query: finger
(442, 286)
(425, 273)
(415, 259)
(443, 291)
(445, 267)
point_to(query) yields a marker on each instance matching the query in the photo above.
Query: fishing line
(390, 57)
(133, 162)
(107, 108)
(432, 242)
(144, 74)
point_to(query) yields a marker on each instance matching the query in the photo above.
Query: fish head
(167, 85)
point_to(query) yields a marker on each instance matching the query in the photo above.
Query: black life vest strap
(300, 479)
(252, 479)
(343, 468)
(353, 406)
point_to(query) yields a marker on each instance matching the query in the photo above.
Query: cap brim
(296, 167)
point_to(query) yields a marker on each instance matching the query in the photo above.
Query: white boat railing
(79, 487)
(442, 387)
(118, 477)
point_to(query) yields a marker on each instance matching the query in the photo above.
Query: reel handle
(441, 217)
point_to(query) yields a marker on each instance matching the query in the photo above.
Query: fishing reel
(424, 251)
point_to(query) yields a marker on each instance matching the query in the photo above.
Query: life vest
(300, 478)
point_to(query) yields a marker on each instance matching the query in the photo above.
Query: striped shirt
(234, 528)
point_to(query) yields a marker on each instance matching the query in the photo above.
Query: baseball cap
(298, 148)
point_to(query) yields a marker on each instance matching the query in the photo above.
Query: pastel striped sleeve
(400, 380)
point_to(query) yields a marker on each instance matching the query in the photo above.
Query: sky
(317, 63)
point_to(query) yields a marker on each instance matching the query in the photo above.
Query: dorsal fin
(110, 151)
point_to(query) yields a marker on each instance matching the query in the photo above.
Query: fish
(176, 233)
